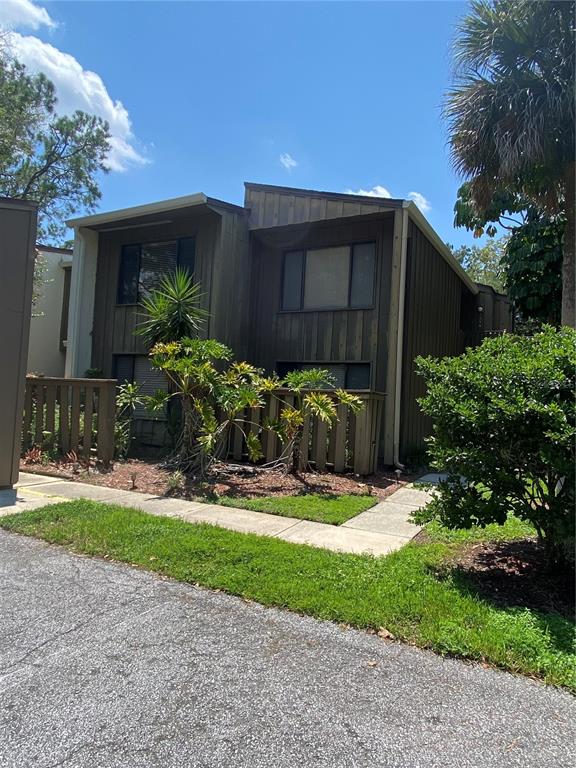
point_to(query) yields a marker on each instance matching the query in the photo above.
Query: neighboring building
(49, 322)
(359, 285)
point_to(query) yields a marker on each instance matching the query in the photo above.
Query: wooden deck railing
(70, 415)
(351, 443)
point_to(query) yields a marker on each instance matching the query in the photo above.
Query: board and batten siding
(115, 324)
(229, 301)
(431, 327)
(278, 206)
(329, 336)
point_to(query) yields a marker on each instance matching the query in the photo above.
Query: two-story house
(358, 285)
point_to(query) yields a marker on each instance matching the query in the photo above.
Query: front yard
(324, 497)
(427, 593)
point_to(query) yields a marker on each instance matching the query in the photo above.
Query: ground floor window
(137, 368)
(346, 375)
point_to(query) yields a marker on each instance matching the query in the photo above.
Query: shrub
(213, 393)
(503, 429)
(128, 398)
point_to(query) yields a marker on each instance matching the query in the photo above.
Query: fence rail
(350, 443)
(70, 415)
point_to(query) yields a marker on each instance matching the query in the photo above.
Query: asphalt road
(102, 665)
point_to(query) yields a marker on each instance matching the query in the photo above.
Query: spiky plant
(173, 311)
(511, 110)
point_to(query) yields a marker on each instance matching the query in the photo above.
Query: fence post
(106, 421)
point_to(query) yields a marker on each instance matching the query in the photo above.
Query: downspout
(400, 337)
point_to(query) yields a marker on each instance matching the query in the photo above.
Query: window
(346, 375)
(128, 276)
(137, 368)
(329, 278)
(142, 267)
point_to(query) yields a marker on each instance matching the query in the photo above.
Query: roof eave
(163, 206)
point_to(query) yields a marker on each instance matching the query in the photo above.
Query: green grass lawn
(323, 508)
(412, 593)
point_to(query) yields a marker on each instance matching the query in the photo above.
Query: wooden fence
(350, 443)
(70, 415)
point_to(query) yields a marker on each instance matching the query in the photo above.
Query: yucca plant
(173, 311)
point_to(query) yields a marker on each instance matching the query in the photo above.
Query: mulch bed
(246, 481)
(513, 573)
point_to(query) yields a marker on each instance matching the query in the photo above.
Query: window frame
(140, 245)
(348, 306)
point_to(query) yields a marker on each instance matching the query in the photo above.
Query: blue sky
(203, 96)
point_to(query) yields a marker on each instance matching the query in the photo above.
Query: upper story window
(142, 267)
(329, 278)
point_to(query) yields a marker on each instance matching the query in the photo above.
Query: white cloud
(420, 201)
(287, 161)
(376, 191)
(23, 13)
(78, 88)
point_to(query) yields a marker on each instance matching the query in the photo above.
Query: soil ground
(242, 480)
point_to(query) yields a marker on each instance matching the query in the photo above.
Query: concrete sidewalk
(378, 531)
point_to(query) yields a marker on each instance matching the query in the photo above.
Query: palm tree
(172, 311)
(511, 110)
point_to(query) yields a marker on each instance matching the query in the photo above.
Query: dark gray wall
(17, 255)
(343, 335)
(431, 327)
(221, 267)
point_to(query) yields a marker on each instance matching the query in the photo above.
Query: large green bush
(504, 429)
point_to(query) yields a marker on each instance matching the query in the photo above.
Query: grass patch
(402, 592)
(514, 528)
(322, 508)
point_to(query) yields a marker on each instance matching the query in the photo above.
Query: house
(49, 321)
(358, 285)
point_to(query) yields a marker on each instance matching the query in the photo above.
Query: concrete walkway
(378, 531)
(106, 666)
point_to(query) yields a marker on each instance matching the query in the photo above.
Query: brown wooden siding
(342, 335)
(281, 207)
(431, 327)
(230, 281)
(114, 324)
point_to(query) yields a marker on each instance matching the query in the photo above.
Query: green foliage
(173, 311)
(532, 261)
(321, 508)
(496, 210)
(54, 160)
(310, 400)
(128, 398)
(93, 373)
(504, 426)
(511, 108)
(413, 594)
(483, 263)
(511, 116)
(213, 398)
(527, 264)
